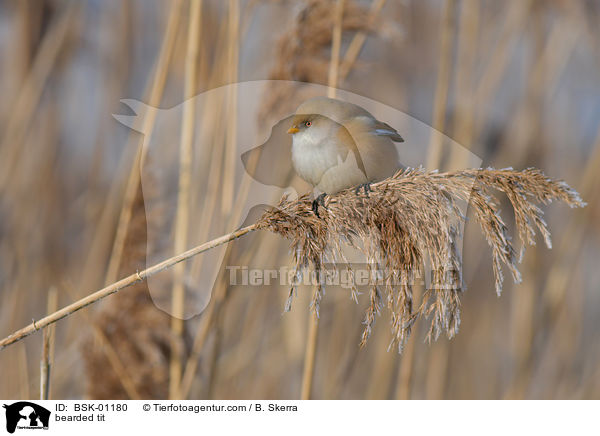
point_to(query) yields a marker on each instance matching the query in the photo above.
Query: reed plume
(139, 334)
(411, 220)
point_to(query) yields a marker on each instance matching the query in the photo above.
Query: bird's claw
(365, 186)
(319, 201)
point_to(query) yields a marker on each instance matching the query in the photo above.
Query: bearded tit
(338, 145)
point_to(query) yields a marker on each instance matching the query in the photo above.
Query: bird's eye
(308, 124)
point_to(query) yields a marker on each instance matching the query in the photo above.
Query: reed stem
(121, 284)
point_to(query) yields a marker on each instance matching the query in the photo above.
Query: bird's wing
(384, 129)
(347, 144)
(347, 113)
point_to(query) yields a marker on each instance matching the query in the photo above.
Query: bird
(338, 145)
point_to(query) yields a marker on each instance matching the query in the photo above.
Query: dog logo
(26, 415)
(232, 179)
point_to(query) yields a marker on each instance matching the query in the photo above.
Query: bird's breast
(325, 165)
(311, 157)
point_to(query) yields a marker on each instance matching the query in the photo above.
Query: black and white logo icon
(26, 415)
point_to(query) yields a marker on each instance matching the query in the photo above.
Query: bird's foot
(365, 186)
(319, 201)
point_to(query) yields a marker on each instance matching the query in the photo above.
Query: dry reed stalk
(467, 40)
(207, 316)
(228, 181)
(23, 373)
(358, 40)
(381, 382)
(340, 357)
(434, 160)
(218, 132)
(466, 130)
(100, 244)
(222, 293)
(48, 348)
(258, 252)
(443, 84)
(212, 195)
(52, 307)
(128, 253)
(494, 71)
(183, 195)
(526, 126)
(31, 92)
(313, 322)
(407, 360)
(555, 50)
(45, 365)
(28, 23)
(437, 369)
(204, 327)
(223, 133)
(404, 382)
(465, 65)
(156, 90)
(572, 239)
(562, 272)
(207, 323)
(310, 355)
(216, 349)
(516, 20)
(219, 293)
(336, 42)
(121, 284)
(229, 161)
(564, 325)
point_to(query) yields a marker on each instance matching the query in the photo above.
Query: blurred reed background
(516, 82)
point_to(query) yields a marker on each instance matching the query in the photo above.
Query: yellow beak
(293, 130)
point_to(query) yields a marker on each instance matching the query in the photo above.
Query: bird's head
(301, 123)
(311, 127)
